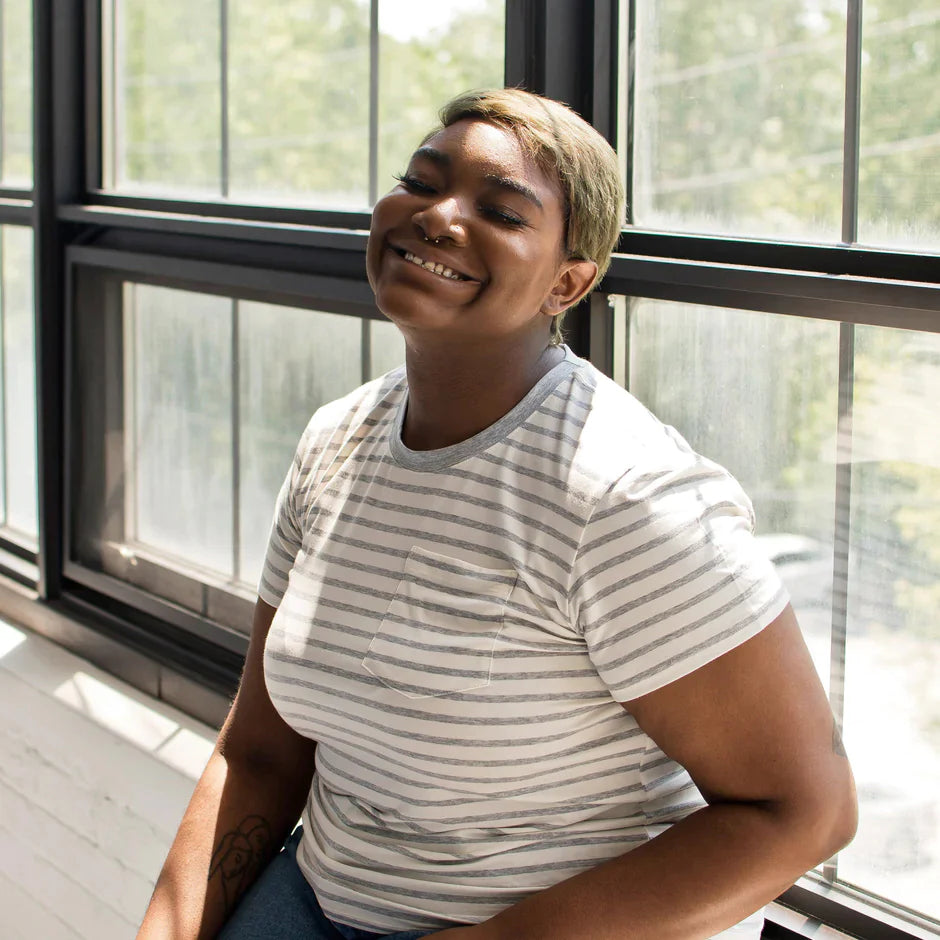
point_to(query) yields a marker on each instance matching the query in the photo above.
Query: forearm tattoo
(239, 856)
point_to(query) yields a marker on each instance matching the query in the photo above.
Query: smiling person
(516, 657)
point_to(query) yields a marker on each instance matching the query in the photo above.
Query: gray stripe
(437, 539)
(551, 434)
(452, 518)
(690, 652)
(512, 814)
(366, 679)
(464, 798)
(630, 553)
(682, 483)
(395, 753)
(477, 781)
(637, 577)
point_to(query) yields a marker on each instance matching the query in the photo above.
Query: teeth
(437, 268)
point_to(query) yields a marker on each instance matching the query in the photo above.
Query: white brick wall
(94, 777)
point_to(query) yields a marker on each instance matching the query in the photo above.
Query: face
(469, 244)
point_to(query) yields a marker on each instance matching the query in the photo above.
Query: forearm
(235, 823)
(701, 876)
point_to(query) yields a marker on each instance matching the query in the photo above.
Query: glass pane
(179, 412)
(758, 394)
(899, 187)
(428, 52)
(291, 362)
(166, 118)
(738, 120)
(19, 382)
(16, 93)
(892, 696)
(299, 101)
(386, 348)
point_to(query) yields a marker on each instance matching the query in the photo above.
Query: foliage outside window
(739, 119)
(16, 98)
(261, 101)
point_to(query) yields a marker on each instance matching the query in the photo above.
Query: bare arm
(754, 730)
(248, 798)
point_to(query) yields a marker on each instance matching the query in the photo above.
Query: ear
(573, 282)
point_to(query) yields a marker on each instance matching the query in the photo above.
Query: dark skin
(753, 728)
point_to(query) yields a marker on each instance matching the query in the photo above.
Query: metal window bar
(3, 135)
(627, 112)
(373, 102)
(223, 99)
(842, 522)
(236, 443)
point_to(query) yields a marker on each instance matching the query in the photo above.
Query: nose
(441, 219)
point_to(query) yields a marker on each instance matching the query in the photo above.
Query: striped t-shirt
(457, 628)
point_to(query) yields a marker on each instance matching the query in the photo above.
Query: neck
(456, 393)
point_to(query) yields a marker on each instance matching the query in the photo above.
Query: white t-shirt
(457, 628)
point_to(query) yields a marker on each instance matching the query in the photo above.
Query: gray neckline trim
(448, 456)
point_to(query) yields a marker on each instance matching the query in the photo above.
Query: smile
(435, 268)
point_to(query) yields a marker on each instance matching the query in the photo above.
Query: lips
(433, 265)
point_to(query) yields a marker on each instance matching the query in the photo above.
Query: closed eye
(504, 216)
(413, 183)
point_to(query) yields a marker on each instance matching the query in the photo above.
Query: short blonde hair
(566, 146)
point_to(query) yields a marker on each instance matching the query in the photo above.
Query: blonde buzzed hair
(563, 145)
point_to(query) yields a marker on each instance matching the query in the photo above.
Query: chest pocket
(440, 627)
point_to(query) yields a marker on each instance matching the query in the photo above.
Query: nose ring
(433, 241)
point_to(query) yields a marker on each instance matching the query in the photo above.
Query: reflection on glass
(179, 395)
(298, 78)
(166, 122)
(291, 362)
(428, 52)
(738, 120)
(899, 187)
(16, 93)
(20, 496)
(756, 393)
(892, 696)
(386, 348)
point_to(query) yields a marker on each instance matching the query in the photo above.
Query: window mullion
(625, 139)
(842, 541)
(223, 95)
(236, 443)
(373, 102)
(850, 141)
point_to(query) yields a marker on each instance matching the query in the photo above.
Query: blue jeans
(281, 905)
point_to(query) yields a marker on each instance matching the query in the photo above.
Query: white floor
(94, 777)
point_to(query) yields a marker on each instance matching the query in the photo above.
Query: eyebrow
(503, 182)
(516, 186)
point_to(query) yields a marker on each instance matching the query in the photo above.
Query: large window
(739, 122)
(292, 101)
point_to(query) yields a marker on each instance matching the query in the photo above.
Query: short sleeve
(668, 575)
(286, 535)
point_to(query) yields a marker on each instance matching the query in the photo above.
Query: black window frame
(566, 49)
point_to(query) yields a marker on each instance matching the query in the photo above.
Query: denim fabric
(281, 905)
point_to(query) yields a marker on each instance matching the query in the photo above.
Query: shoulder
(627, 455)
